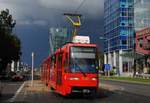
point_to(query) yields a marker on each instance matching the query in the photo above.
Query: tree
(10, 44)
(101, 58)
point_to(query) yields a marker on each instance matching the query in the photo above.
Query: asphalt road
(109, 92)
(134, 88)
(107, 97)
(9, 90)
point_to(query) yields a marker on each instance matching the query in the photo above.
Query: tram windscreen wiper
(79, 68)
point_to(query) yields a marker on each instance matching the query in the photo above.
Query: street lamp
(108, 45)
(32, 68)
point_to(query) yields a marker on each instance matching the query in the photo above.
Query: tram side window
(59, 60)
(59, 68)
(66, 63)
(52, 61)
(55, 61)
(51, 64)
(60, 57)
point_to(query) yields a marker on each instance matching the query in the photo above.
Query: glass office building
(142, 14)
(57, 38)
(118, 33)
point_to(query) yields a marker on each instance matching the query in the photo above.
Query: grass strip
(128, 79)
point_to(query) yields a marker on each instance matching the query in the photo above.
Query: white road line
(17, 93)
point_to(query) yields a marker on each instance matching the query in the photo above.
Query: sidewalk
(38, 86)
(27, 90)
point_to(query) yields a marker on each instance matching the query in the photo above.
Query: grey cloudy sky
(35, 17)
(42, 12)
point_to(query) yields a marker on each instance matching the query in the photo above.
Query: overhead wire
(75, 11)
(81, 4)
(78, 8)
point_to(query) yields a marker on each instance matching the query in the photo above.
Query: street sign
(107, 67)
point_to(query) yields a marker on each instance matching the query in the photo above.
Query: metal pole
(32, 69)
(107, 72)
(108, 57)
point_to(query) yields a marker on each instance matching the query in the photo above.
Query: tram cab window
(83, 59)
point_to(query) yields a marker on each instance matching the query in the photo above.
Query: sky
(35, 17)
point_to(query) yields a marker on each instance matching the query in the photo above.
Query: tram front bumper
(84, 86)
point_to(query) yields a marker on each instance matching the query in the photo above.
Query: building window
(123, 0)
(123, 24)
(122, 5)
(124, 42)
(124, 14)
(125, 66)
(130, 24)
(140, 42)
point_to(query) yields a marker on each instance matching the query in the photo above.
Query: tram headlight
(73, 78)
(94, 79)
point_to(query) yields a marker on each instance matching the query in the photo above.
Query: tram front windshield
(83, 59)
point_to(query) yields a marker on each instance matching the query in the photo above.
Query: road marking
(17, 93)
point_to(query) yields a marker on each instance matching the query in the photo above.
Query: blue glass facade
(118, 25)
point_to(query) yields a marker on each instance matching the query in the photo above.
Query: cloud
(50, 10)
(34, 17)
(40, 22)
(31, 23)
(92, 7)
(61, 4)
(26, 22)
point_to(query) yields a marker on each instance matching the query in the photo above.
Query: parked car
(17, 77)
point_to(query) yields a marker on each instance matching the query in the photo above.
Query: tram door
(59, 69)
